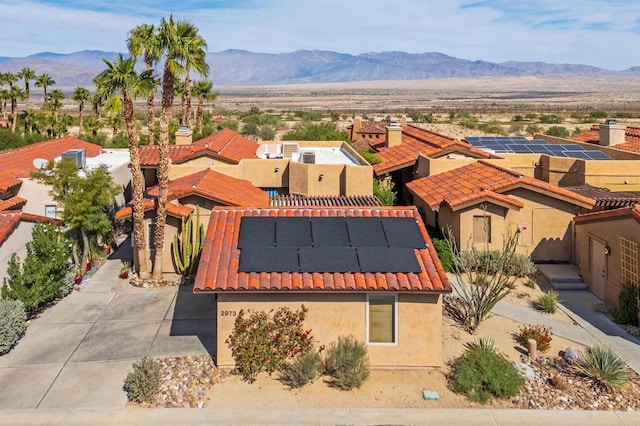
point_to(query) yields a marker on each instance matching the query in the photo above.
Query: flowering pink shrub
(264, 341)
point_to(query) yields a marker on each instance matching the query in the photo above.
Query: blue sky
(604, 33)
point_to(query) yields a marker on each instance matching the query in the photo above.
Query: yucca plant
(600, 364)
(548, 302)
(484, 343)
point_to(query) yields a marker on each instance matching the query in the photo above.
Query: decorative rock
(572, 355)
(526, 371)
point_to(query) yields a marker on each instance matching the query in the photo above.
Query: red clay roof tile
(12, 203)
(416, 141)
(218, 269)
(631, 144)
(9, 221)
(632, 211)
(470, 184)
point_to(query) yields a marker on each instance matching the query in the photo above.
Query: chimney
(357, 125)
(184, 136)
(611, 133)
(403, 120)
(394, 134)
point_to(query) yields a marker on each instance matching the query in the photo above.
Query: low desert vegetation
(600, 364)
(347, 363)
(541, 334)
(548, 302)
(303, 369)
(627, 312)
(143, 383)
(12, 323)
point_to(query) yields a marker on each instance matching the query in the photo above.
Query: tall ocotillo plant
(187, 247)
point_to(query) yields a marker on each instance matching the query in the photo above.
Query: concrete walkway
(78, 352)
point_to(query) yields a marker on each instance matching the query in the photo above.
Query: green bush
(482, 374)
(44, 274)
(12, 323)
(143, 383)
(521, 266)
(347, 363)
(604, 367)
(303, 370)
(627, 312)
(370, 156)
(445, 253)
(558, 131)
(539, 333)
(265, 341)
(548, 302)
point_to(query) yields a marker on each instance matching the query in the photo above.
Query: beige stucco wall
(37, 196)
(171, 228)
(334, 314)
(607, 232)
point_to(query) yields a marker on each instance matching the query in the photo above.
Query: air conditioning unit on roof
(309, 157)
(79, 156)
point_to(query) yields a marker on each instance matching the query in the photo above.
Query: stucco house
(482, 203)
(607, 250)
(204, 190)
(370, 272)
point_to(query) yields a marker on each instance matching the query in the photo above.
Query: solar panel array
(329, 244)
(522, 145)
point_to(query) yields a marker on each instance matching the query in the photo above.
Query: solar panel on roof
(257, 232)
(538, 142)
(268, 259)
(519, 149)
(402, 232)
(584, 155)
(599, 155)
(329, 259)
(572, 147)
(329, 232)
(388, 259)
(293, 232)
(366, 232)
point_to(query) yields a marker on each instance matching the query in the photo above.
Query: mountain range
(242, 68)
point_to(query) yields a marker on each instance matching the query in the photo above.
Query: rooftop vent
(309, 157)
(79, 156)
(288, 149)
(610, 121)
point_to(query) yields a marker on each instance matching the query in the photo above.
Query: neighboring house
(339, 201)
(612, 134)
(370, 272)
(607, 199)
(481, 204)
(15, 233)
(372, 133)
(607, 250)
(201, 191)
(16, 166)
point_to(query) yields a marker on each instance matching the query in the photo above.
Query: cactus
(187, 247)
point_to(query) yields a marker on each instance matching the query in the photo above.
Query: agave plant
(483, 343)
(600, 364)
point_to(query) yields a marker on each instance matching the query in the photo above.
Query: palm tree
(15, 93)
(27, 74)
(81, 96)
(56, 101)
(119, 84)
(174, 36)
(44, 81)
(143, 41)
(202, 90)
(29, 117)
(196, 50)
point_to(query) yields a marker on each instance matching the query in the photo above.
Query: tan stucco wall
(498, 231)
(607, 232)
(37, 196)
(171, 228)
(333, 314)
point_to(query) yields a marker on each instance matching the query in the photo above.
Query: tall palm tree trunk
(187, 95)
(26, 91)
(168, 79)
(199, 114)
(80, 114)
(14, 113)
(137, 184)
(151, 119)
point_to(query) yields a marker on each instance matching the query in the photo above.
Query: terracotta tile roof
(9, 221)
(173, 209)
(605, 197)
(325, 201)
(479, 181)
(218, 269)
(416, 141)
(225, 144)
(20, 160)
(631, 144)
(631, 211)
(218, 187)
(12, 203)
(372, 127)
(9, 180)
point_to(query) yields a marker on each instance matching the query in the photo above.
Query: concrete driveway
(78, 352)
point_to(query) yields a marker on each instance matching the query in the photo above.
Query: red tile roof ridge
(502, 169)
(413, 126)
(633, 211)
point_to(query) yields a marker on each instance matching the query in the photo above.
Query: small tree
(84, 197)
(383, 190)
(558, 131)
(479, 285)
(43, 276)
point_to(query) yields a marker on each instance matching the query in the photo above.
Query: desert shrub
(539, 333)
(12, 323)
(303, 370)
(44, 274)
(485, 343)
(143, 383)
(627, 312)
(600, 364)
(383, 190)
(550, 119)
(558, 131)
(347, 363)
(548, 302)
(530, 283)
(521, 266)
(482, 374)
(370, 156)
(265, 341)
(443, 247)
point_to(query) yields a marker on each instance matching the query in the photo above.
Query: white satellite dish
(39, 163)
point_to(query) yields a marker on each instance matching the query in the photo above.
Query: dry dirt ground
(385, 388)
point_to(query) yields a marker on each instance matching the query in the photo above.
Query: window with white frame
(382, 319)
(50, 210)
(628, 261)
